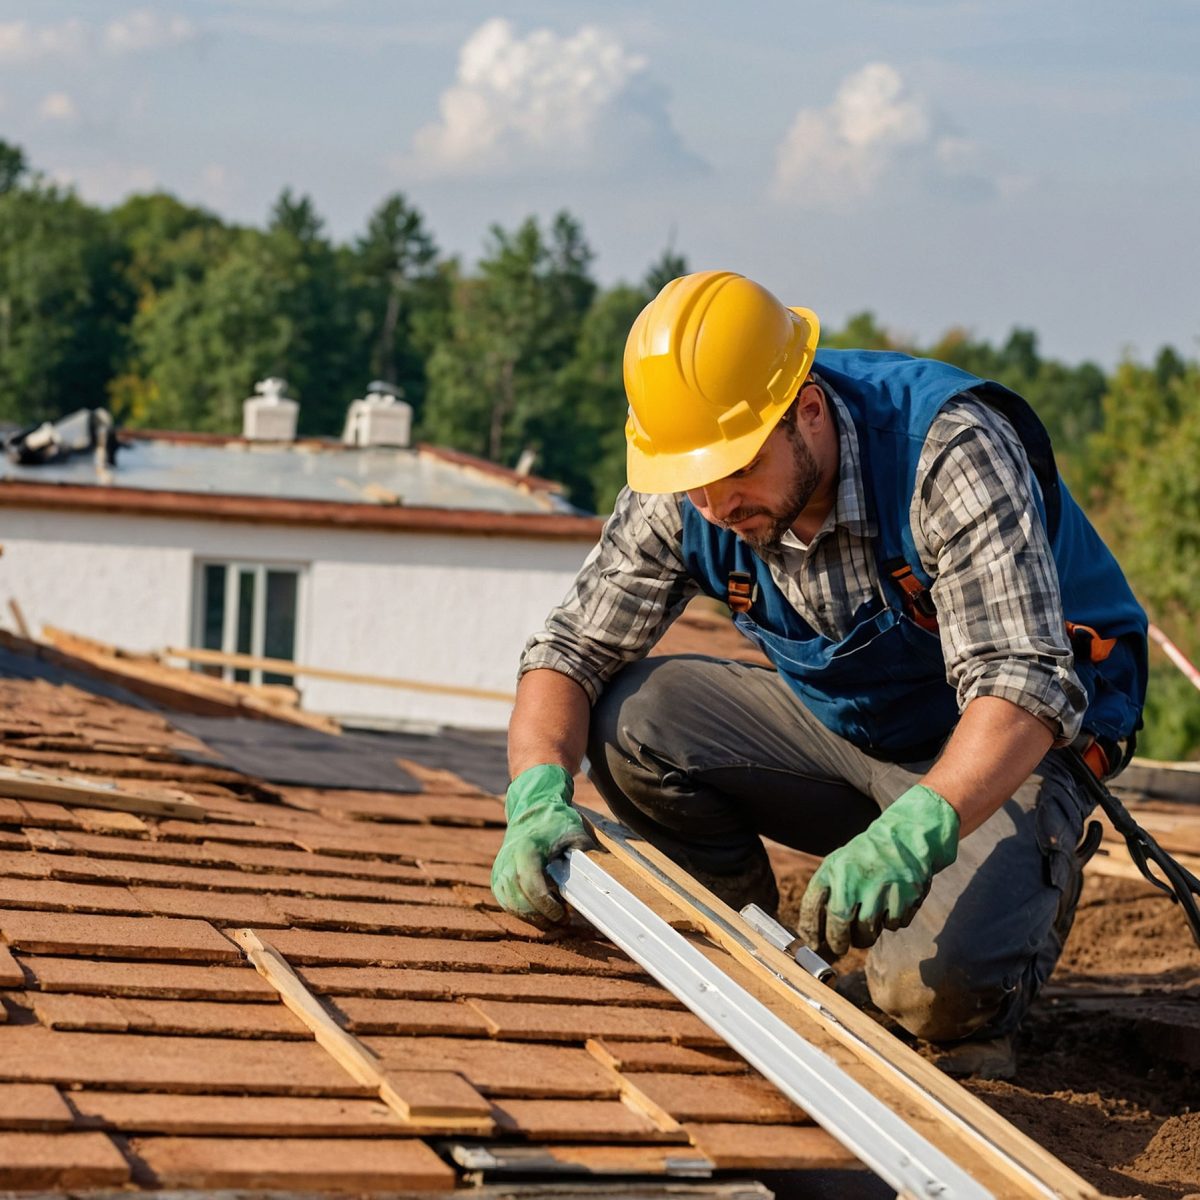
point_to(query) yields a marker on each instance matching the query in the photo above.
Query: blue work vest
(883, 686)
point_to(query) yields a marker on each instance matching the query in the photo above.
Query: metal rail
(863, 1124)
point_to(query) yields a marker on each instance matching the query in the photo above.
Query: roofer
(894, 535)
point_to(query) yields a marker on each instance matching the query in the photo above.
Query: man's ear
(811, 408)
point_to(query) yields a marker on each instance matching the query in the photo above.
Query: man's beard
(806, 476)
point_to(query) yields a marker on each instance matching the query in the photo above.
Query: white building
(416, 563)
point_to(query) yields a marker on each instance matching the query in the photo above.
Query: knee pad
(938, 1005)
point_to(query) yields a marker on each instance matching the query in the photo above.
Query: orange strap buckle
(1096, 759)
(1088, 644)
(742, 593)
(918, 603)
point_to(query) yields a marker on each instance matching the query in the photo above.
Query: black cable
(1181, 885)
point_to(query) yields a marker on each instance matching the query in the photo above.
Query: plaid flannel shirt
(977, 532)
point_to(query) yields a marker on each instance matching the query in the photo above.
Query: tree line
(166, 314)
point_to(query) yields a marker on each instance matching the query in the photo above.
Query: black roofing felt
(291, 754)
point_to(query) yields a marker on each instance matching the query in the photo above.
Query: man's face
(763, 500)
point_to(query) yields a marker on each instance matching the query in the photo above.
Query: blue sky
(940, 162)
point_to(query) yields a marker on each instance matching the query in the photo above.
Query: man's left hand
(878, 879)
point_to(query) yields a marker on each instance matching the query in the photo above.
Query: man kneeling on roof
(894, 535)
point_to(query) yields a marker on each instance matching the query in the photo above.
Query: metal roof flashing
(315, 481)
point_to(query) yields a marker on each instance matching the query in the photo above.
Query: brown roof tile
(222, 908)
(33, 1106)
(716, 1098)
(310, 1163)
(451, 1017)
(49, 896)
(21, 864)
(439, 920)
(147, 1063)
(115, 937)
(206, 1018)
(247, 1116)
(583, 956)
(528, 1021)
(502, 1068)
(161, 980)
(576, 1120)
(740, 1147)
(96, 1013)
(660, 1057)
(249, 835)
(368, 949)
(385, 982)
(11, 975)
(11, 812)
(60, 1160)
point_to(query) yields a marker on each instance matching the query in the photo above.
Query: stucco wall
(442, 609)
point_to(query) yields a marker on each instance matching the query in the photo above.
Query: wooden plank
(1012, 1154)
(89, 792)
(18, 616)
(462, 1106)
(1147, 778)
(283, 666)
(184, 690)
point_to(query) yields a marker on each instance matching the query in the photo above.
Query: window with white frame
(247, 608)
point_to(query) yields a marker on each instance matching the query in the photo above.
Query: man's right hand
(541, 825)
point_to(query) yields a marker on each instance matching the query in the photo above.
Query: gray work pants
(702, 756)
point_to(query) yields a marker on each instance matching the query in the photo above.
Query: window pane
(279, 636)
(214, 606)
(212, 613)
(245, 621)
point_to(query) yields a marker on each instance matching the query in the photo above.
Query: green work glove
(878, 879)
(541, 825)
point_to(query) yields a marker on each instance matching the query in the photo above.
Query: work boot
(754, 884)
(978, 1058)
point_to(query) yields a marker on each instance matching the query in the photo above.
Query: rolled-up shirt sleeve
(994, 580)
(630, 588)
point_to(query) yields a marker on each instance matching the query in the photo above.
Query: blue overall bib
(883, 686)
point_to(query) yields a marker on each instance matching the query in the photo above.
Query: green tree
(589, 452)
(669, 265)
(64, 305)
(511, 330)
(1146, 491)
(12, 166)
(315, 314)
(400, 297)
(166, 239)
(204, 342)
(862, 331)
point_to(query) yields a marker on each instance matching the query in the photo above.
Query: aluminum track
(862, 1123)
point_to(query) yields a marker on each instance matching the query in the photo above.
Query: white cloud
(21, 42)
(108, 182)
(547, 104)
(58, 106)
(138, 31)
(874, 129)
(145, 29)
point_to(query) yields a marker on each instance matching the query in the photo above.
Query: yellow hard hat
(711, 364)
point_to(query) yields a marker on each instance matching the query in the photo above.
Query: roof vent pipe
(381, 418)
(270, 416)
